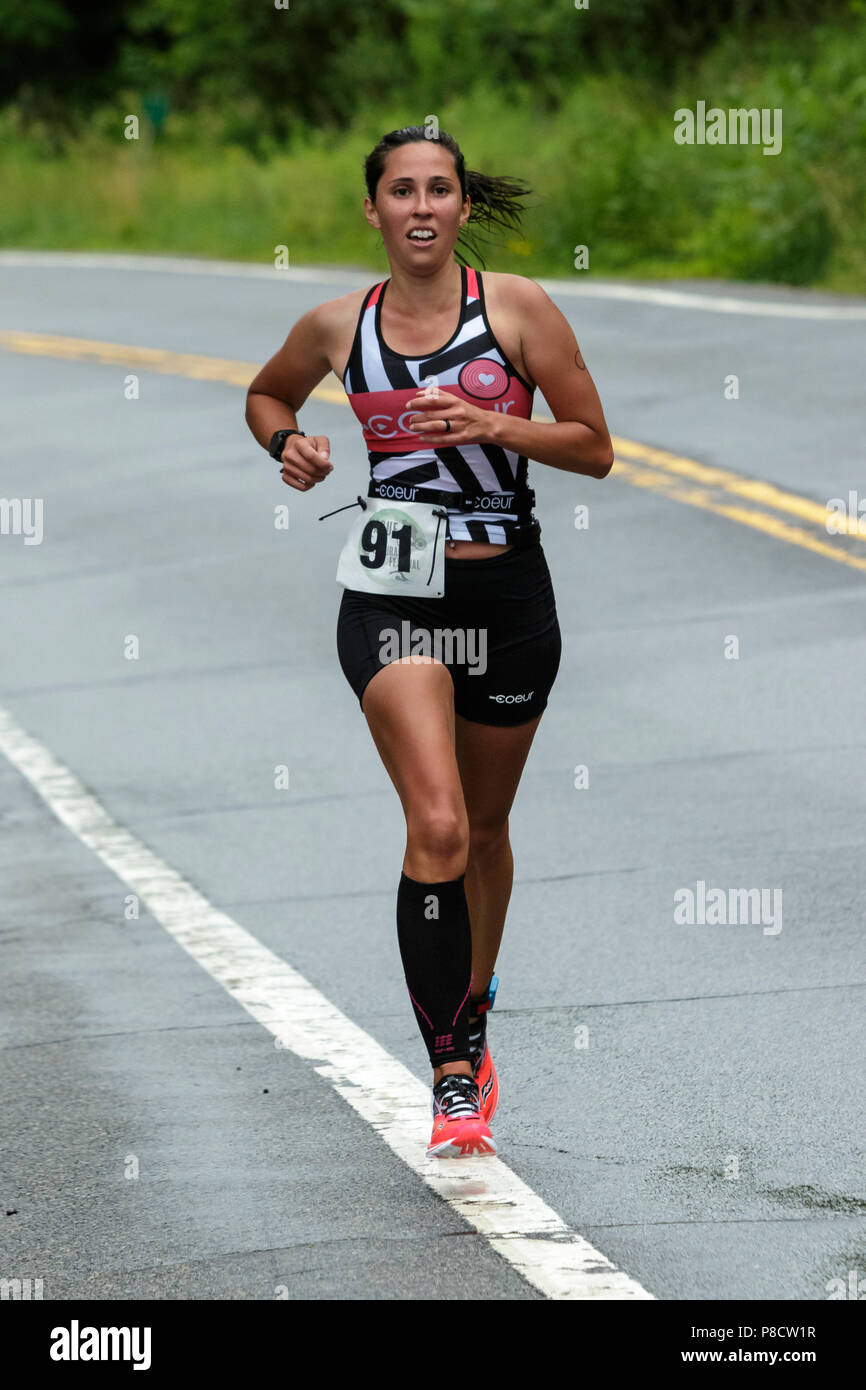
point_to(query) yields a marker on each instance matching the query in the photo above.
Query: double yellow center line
(787, 516)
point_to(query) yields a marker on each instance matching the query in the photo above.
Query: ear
(467, 208)
(371, 214)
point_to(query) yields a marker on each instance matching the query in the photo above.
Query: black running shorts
(495, 629)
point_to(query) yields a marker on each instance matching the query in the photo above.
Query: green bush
(598, 152)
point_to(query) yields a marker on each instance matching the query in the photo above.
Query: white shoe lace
(457, 1096)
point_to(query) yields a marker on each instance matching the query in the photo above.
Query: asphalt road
(709, 1137)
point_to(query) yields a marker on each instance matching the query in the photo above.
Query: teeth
(422, 236)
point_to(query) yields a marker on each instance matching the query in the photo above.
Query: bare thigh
(409, 708)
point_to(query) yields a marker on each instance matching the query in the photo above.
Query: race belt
(519, 501)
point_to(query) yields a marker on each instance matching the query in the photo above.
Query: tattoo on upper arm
(578, 361)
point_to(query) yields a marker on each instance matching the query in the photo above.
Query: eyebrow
(434, 178)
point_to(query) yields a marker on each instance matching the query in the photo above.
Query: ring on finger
(447, 426)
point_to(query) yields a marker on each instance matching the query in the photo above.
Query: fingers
(433, 410)
(306, 461)
(469, 424)
(439, 429)
(314, 456)
(433, 429)
(423, 424)
(297, 480)
(429, 403)
(432, 405)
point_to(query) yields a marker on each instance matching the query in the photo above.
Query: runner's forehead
(420, 163)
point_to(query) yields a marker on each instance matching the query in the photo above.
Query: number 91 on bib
(396, 548)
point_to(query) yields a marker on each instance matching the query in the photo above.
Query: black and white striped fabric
(380, 382)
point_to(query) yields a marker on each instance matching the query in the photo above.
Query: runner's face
(419, 188)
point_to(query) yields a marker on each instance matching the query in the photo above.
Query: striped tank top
(489, 482)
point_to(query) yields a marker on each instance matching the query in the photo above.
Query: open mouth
(421, 235)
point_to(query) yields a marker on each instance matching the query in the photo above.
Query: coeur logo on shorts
(484, 379)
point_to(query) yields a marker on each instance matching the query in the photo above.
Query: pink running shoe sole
(461, 1139)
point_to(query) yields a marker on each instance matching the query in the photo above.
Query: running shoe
(482, 1063)
(459, 1128)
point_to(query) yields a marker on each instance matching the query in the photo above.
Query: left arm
(577, 442)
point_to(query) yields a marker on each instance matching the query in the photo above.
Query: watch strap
(275, 449)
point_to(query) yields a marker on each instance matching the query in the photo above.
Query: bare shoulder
(332, 316)
(334, 323)
(516, 291)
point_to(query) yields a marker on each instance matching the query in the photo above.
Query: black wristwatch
(278, 442)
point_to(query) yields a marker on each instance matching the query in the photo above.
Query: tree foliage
(318, 62)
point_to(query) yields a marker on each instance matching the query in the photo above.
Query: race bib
(396, 548)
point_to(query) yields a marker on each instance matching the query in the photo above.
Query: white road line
(517, 1223)
(712, 303)
(182, 265)
(590, 289)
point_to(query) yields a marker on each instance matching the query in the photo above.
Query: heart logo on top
(483, 378)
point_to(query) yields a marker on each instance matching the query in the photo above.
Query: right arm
(280, 389)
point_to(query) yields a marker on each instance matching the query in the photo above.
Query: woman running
(447, 630)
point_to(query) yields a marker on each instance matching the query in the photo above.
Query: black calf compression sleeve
(436, 946)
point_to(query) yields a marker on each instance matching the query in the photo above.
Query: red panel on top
(384, 414)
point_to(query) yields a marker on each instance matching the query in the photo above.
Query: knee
(487, 837)
(438, 837)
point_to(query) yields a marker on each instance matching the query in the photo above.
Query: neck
(431, 293)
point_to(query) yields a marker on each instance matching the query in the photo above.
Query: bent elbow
(602, 462)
